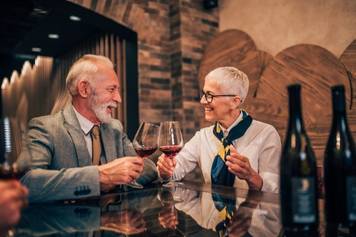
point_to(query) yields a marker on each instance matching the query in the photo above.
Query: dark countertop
(187, 209)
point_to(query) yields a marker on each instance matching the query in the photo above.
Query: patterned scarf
(219, 171)
(226, 208)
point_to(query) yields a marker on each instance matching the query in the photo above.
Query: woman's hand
(240, 166)
(168, 217)
(165, 166)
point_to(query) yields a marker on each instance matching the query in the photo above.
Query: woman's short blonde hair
(231, 81)
(85, 68)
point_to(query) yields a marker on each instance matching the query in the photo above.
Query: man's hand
(165, 166)
(120, 171)
(240, 166)
(12, 198)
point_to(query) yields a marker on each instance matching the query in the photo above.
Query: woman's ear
(237, 101)
(83, 88)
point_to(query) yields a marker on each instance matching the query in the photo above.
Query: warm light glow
(5, 83)
(74, 18)
(36, 49)
(338, 141)
(37, 61)
(53, 36)
(14, 76)
(26, 66)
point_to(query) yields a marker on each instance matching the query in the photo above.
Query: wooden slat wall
(40, 89)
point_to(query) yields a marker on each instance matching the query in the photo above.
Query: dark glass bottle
(300, 233)
(340, 165)
(2, 137)
(298, 176)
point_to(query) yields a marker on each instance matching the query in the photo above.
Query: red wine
(170, 151)
(340, 166)
(145, 151)
(298, 175)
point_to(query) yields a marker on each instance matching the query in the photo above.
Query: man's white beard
(100, 110)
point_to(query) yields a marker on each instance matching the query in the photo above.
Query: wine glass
(145, 143)
(170, 140)
(11, 167)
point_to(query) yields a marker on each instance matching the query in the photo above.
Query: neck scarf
(219, 172)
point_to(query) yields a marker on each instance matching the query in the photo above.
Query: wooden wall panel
(348, 58)
(314, 67)
(234, 48)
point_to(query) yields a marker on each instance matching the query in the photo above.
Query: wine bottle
(298, 176)
(299, 233)
(340, 165)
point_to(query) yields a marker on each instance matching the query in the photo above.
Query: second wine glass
(145, 143)
(170, 139)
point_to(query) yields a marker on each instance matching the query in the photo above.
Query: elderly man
(81, 150)
(236, 150)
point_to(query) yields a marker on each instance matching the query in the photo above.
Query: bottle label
(303, 200)
(351, 197)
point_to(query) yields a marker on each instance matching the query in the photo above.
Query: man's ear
(83, 88)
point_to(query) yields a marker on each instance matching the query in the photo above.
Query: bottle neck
(295, 112)
(340, 120)
(339, 108)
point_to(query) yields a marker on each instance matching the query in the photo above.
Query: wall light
(53, 36)
(75, 18)
(40, 10)
(36, 49)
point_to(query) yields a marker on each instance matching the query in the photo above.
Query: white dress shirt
(265, 219)
(86, 125)
(261, 144)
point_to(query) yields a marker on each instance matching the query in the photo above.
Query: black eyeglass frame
(210, 97)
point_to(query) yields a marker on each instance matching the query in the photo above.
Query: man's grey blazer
(61, 166)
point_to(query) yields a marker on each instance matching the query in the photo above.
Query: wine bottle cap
(294, 87)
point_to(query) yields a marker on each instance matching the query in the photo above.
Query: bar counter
(185, 209)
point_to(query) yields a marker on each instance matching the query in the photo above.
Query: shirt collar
(226, 131)
(85, 124)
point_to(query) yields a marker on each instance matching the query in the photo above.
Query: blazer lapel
(73, 127)
(108, 141)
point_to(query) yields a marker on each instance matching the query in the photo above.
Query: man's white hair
(85, 68)
(231, 81)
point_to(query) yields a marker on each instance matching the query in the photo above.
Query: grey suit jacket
(61, 166)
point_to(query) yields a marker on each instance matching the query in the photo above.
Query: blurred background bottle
(298, 175)
(340, 165)
(10, 168)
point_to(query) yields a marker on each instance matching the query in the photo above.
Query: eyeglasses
(209, 97)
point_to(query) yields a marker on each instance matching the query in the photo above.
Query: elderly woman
(237, 150)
